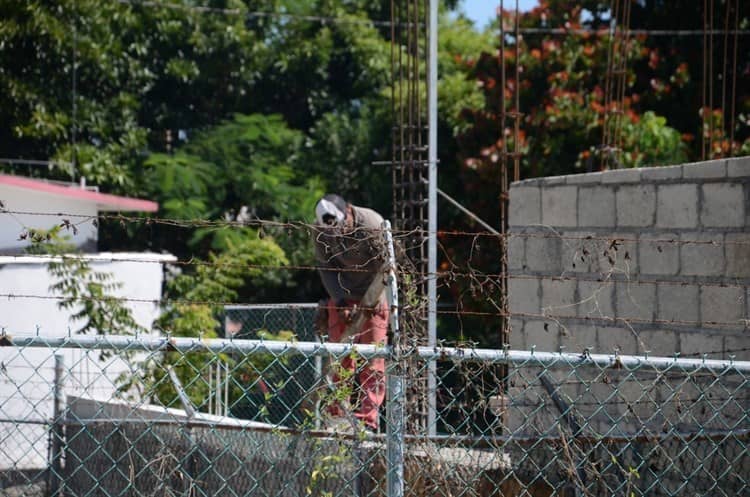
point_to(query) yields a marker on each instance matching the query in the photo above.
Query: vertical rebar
(57, 431)
(704, 142)
(503, 157)
(725, 72)
(517, 100)
(711, 80)
(411, 163)
(734, 77)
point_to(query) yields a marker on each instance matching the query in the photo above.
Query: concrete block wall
(653, 260)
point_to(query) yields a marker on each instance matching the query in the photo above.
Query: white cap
(327, 208)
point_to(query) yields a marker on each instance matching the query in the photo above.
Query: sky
(481, 11)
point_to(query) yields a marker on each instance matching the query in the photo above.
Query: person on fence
(350, 254)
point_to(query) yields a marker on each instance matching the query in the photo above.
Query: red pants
(371, 376)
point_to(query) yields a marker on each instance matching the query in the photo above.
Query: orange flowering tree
(570, 101)
(567, 96)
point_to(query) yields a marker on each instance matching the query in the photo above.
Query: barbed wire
(260, 223)
(610, 279)
(547, 317)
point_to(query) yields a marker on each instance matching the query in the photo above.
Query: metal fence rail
(568, 424)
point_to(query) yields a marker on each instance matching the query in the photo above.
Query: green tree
(101, 82)
(192, 307)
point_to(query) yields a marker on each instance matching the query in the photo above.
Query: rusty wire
(404, 235)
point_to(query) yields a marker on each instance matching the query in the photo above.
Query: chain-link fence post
(396, 400)
(54, 481)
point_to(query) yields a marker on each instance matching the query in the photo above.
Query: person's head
(332, 210)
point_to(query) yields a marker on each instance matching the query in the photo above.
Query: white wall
(19, 200)
(27, 376)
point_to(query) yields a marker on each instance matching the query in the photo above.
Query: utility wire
(339, 20)
(254, 14)
(633, 32)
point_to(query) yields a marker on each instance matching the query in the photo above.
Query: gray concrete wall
(639, 261)
(650, 260)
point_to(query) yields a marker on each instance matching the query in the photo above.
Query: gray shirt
(349, 260)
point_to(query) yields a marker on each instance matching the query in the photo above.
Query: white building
(28, 305)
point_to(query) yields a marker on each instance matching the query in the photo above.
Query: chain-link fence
(272, 398)
(558, 424)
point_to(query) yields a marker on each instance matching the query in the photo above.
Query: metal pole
(432, 212)
(210, 389)
(217, 390)
(226, 389)
(396, 399)
(466, 211)
(181, 394)
(55, 465)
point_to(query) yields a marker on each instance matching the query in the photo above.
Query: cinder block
(636, 205)
(516, 244)
(523, 402)
(738, 167)
(632, 406)
(737, 250)
(635, 301)
(517, 341)
(723, 305)
(620, 254)
(543, 335)
(695, 344)
(677, 206)
(579, 252)
(595, 299)
(523, 295)
(526, 182)
(559, 297)
(585, 179)
(731, 414)
(589, 406)
(603, 394)
(737, 346)
(554, 180)
(524, 206)
(706, 169)
(578, 337)
(659, 253)
(679, 303)
(543, 253)
(661, 173)
(622, 176)
(596, 207)
(723, 205)
(618, 339)
(704, 258)
(559, 206)
(658, 342)
(587, 252)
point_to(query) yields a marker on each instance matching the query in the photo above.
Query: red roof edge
(103, 201)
